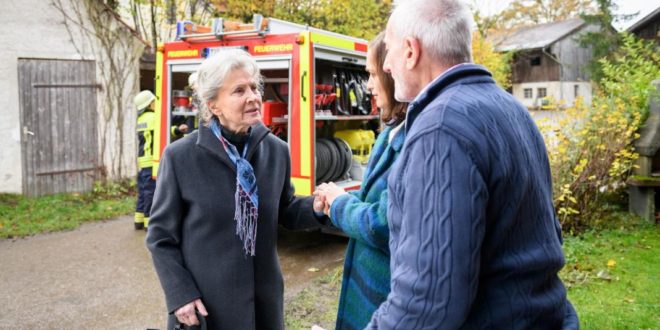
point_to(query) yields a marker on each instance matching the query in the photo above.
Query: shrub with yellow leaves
(483, 52)
(590, 148)
(591, 153)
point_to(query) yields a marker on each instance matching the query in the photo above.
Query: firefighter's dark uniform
(191, 121)
(146, 124)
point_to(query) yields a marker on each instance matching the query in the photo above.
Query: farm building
(70, 70)
(548, 62)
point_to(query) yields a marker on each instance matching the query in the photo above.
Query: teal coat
(361, 215)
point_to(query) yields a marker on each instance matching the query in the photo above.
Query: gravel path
(100, 276)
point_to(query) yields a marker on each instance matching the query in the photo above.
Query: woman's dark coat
(192, 233)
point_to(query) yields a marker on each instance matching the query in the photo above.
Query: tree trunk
(154, 32)
(136, 18)
(171, 11)
(193, 9)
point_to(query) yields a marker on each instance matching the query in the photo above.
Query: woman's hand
(186, 314)
(328, 191)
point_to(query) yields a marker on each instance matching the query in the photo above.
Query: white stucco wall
(34, 29)
(35, 36)
(563, 92)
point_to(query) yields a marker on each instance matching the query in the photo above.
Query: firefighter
(194, 120)
(146, 123)
(180, 127)
(183, 125)
(192, 84)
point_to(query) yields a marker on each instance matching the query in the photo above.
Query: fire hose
(333, 159)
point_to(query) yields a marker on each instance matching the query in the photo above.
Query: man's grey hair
(443, 27)
(213, 72)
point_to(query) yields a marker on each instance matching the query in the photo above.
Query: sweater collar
(207, 140)
(459, 74)
(235, 138)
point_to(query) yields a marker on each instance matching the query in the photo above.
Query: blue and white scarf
(246, 198)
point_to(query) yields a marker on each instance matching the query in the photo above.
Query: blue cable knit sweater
(473, 236)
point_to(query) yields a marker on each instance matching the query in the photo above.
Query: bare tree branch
(93, 25)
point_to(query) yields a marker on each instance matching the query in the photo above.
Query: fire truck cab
(315, 95)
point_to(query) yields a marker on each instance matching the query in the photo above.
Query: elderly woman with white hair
(221, 193)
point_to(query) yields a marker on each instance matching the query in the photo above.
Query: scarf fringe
(245, 215)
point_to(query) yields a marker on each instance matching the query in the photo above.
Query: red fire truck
(315, 95)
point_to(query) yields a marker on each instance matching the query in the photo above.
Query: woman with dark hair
(361, 215)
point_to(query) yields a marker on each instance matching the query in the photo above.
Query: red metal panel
(294, 113)
(187, 50)
(257, 46)
(164, 130)
(311, 156)
(360, 47)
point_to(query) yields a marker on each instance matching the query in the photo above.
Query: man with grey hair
(474, 239)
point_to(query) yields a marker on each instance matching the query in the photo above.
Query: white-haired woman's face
(238, 103)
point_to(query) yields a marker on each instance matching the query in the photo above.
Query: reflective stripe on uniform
(145, 131)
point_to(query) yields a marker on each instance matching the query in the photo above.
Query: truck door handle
(302, 86)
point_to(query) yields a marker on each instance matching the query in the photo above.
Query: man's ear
(412, 52)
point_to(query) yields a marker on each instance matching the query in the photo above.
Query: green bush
(590, 148)
(629, 75)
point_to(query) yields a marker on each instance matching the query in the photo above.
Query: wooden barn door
(59, 125)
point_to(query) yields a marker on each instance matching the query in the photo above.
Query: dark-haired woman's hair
(397, 113)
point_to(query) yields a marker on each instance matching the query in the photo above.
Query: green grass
(22, 216)
(316, 304)
(612, 277)
(623, 295)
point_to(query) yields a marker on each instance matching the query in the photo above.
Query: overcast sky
(644, 7)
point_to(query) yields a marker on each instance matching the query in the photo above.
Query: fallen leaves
(611, 263)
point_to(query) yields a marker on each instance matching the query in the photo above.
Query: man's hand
(183, 128)
(319, 203)
(186, 314)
